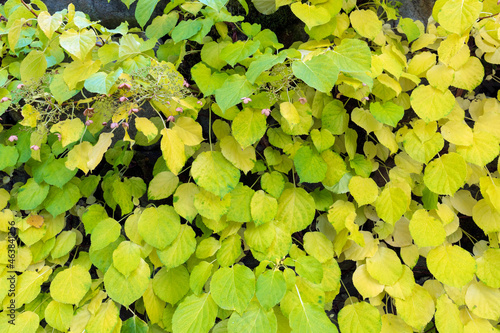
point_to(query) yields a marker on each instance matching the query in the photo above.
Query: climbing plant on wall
(195, 174)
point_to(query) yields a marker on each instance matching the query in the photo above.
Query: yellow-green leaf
(364, 190)
(147, 127)
(71, 130)
(71, 285)
(458, 15)
(366, 23)
(49, 24)
(488, 268)
(309, 14)
(391, 204)
(214, 173)
(385, 266)
(243, 159)
(172, 149)
(418, 309)
(33, 67)
(78, 43)
(451, 265)
(446, 174)
(360, 317)
(162, 186)
(430, 103)
(426, 230)
(189, 131)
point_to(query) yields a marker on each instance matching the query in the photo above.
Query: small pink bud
(266, 112)
(134, 110)
(364, 84)
(171, 118)
(303, 100)
(4, 99)
(123, 99)
(113, 125)
(186, 84)
(20, 86)
(125, 125)
(246, 100)
(13, 138)
(35, 147)
(168, 103)
(366, 98)
(104, 123)
(89, 112)
(124, 86)
(199, 103)
(179, 109)
(59, 137)
(88, 122)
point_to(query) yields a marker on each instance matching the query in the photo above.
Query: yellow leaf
(97, 152)
(35, 221)
(417, 309)
(365, 284)
(458, 133)
(483, 301)
(485, 148)
(49, 23)
(172, 149)
(243, 159)
(290, 113)
(71, 130)
(440, 76)
(31, 116)
(364, 190)
(486, 216)
(78, 71)
(421, 63)
(78, 157)
(188, 130)
(458, 15)
(366, 23)
(449, 47)
(404, 286)
(470, 75)
(147, 127)
(394, 324)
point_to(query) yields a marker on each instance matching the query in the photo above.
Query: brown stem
(484, 17)
(29, 8)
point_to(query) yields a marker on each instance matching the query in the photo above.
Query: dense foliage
(224, 198)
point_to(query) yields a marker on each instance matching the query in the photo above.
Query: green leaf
(310, 166)
(134, 325)
(446, 174)
(185, 29)
(418, 309)
(447, 316)
(230, 250)
(322, 139)
(59, 315)
(78, 43)
(65, 242)
(410, 28)
(55, 173)
(101, 83)
(214, 173)
(162, 25)
(211, 206)
(309, 14)
(60, 89)
(334, 117)
(70, 285)
(391, 204)
(127, 289)
(243, 159)
(9, 156)
(105, 233)
(236, 52)
(317, 245)
(273, 183)
(360, 317)
(233, 288)
(296, 209)
(451, 265)
(170, 285)
(143, 11)
(248, 127)
(488, 268)
(195, 314)
(430, 103)
(181, 248)
(60, 200)
(352, 55)
(199, 276)
(271, 287)
(126, 258)
(31, 194)
(309, 268)
(215, 4)
(105, 320)
(263, 207)
(122, 194)
(387, 113)
(260, 238)
(159, 226)
(33, 67)
(206, 81)
(162, 186)
(458, 15)
(320, 72)
(184, 201)
(426, 230)
(232, 91)
(263, 63)
(255, 319)
(310, 318)
(92, 216)
(240, 210)
(385, 266)
(363, 190)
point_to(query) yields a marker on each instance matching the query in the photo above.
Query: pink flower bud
(366, 98)
(89, 112)
(59, 137)
(35, 147)
(171, 118)
(179, 109)
(134, 110)
(124, 86)
(13, 138)
(4, 99)
(199, 103)
(168, 103)
(246, 100)
(123, 99)
(20, 86)
(266, 112)
(113, 125)
(303, 100)
(88, 122)
(125, 125)
(186, 84)
(104, 123)
(364, 84)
